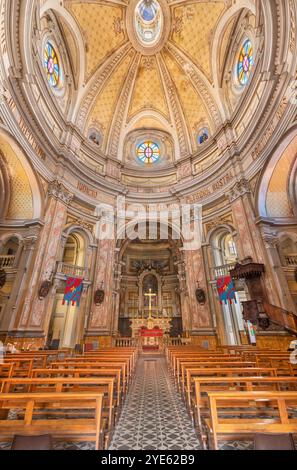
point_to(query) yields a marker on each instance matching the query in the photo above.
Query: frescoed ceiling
(169, 80)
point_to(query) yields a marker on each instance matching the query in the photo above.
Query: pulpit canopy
(247, 270)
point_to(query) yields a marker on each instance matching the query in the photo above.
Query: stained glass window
(245, 62)
(148, 152)
(203, 136)
(51, 65)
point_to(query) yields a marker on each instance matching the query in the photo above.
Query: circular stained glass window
(51, 65)
(148, 152)
(245, 62)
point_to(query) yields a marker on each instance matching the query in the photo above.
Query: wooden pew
(211, 364)
(205, 385)
(84, 373)
(6, 371)
(102, 385)
(71, 428)
(95, 365)
(191, 373)
(277, 404)
(22, 366)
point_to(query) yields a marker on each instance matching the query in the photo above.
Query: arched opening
(149, 287)
(64, 330)
(287, 249)
(224, 257)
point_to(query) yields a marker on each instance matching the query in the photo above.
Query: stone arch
(277, 180)
(23, 180)
(220, 29)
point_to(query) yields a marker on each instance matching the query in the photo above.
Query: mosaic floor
(153, 416)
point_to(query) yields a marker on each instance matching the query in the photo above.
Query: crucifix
(150, 295)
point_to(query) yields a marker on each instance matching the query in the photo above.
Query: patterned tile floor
(153, 415)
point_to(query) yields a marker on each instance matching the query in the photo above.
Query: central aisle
(153, 415)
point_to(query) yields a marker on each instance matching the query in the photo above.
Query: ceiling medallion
(148, 25)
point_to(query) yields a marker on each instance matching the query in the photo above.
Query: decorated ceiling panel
(101, 27)
(148, 90)
(102, 112)
(194, 26)
(192, 105)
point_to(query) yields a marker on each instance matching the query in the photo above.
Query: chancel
(148, 225)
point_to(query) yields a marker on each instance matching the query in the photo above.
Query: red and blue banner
(226, 289)
(73, 290)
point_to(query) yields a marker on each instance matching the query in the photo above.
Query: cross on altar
(150, 295)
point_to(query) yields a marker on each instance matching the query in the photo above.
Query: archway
(224, 257)
(150, 267)
(64, 325)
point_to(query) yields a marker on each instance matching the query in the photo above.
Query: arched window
(148, 152)
(74, 252)
(95, 137)
(245, 62)
(52, 65)
(202, 136)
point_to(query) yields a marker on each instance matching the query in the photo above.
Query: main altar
(149, 328)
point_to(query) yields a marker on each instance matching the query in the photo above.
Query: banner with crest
(73, 291)
(226, 289)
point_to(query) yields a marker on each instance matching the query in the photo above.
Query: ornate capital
(240, 188)
(57, 190)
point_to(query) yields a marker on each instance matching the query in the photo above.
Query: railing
(220, 271)
(291, 260)
(124, 342)
(282, 317)
(7, 261)
(72, 270)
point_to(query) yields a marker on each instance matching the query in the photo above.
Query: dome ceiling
(147, 66)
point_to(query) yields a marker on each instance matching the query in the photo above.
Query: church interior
(148, 225)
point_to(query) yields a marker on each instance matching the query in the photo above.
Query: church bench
(198, 357)
(97, 363)
(103, 385)
(122, 352)
(246, 348)
(6, 370)
(114, 357)
(40, 359)
(71, 428)
(273, 412)
(282, 363)
(77, 373)
(22, 366)
(209, 364)
(205, 385)
(192, 373)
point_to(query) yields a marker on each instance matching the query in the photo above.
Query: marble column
(34, 311)
(21, 280)
(101, 317)
(195, 274)
(184, 297)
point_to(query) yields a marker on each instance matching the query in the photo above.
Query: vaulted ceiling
(126, 89)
